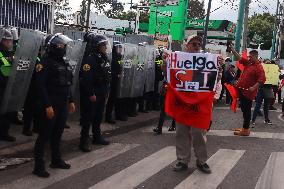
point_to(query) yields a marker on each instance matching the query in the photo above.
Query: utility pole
(239, 26)
(245, 33)
(88, 15)
(273, 47)
(206, 25)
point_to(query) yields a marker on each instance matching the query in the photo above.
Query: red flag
(234, 94)
(244, 56)
(190, 108)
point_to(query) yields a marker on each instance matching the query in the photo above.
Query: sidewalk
(24, 143)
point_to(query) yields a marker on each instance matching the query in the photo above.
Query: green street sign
(214, 25)
(168, 19)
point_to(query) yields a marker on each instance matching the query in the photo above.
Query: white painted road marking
(228, 133)
(221, 163)
(273, 174)
(78, 164)
(140, 171)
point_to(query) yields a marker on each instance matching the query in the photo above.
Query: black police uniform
(158, 78)
(53, 79)
(112, 100)
(95, 78)
(30, 113)
(5, 64)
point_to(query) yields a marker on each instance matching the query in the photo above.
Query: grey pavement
(139, 159)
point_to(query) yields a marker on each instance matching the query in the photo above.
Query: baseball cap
(197, 37)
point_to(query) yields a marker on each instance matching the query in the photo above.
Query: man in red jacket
(251, 78)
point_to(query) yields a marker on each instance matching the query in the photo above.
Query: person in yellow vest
(6, 44)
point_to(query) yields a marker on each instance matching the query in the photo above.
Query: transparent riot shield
(22, 70)
(126, 80)
(139, 73)
(74, 54)
(150, 68)
(1, 33)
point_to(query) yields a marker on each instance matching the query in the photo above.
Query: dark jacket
(95, 75)
(53, 78)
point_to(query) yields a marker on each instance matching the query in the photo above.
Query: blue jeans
(258, 101)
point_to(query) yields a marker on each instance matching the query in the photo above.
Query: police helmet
(56, 44)
(7, 34)
(15, 34)
(117, 47)
(95, 41)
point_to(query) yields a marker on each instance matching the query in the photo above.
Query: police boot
(99, 139)
(84, 145)
(39, 169)
(110, 120)
(59, 164)
(157, 130)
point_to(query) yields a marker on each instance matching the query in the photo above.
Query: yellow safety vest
(6, 67)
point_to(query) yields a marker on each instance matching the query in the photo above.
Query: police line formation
(42, 74)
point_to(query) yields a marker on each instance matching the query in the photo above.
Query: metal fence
(75, 34)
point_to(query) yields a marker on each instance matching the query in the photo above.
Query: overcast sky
(224, 13)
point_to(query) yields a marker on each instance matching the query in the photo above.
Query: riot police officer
(30, 113)
(6, 44)
(115, 75)
(95, 78)
(53, 79)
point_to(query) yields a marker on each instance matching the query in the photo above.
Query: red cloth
(190, 108)
(234, 94)
(239, 65)
(252, 73)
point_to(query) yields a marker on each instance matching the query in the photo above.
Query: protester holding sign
(192, 78)
(251, 78)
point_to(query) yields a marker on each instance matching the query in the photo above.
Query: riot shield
(126, 80)
(150, 68)
(1, 33)
(22, 70)
(139, 73)
(74, 54)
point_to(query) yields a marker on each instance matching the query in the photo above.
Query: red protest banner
(234, 94)
(191, 82)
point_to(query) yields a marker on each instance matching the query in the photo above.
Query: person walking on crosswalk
(186, 135)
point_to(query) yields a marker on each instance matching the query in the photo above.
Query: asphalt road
(140, 159)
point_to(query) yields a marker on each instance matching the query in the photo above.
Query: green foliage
(115, 10)
(83, 11)
(63, 12)
(196, 9)
(262, 25)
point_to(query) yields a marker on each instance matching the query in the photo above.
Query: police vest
(159, 62)
(6, 67)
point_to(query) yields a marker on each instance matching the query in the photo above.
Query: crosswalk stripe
(140, 171)
(78, 164)
(252, 109)
(225, 133)
(221, 163)
(272, 175)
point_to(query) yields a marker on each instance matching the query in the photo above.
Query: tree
(63, 12)
(115, 10)
(144, 16)
(83, 12)
(196, 9)
(262, 26)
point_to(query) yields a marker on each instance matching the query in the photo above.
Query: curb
(20, 148)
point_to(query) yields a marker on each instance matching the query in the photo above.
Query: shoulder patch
(39, 67)
(86, 67)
